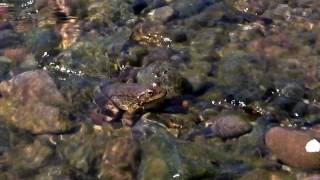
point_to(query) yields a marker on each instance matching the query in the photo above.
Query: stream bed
(160, 89)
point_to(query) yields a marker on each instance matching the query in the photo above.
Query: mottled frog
(127, 98)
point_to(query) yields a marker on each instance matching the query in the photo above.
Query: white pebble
(313, 146)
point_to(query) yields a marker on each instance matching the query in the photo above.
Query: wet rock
(138, 6)
(8, 38)
(311, 177)
(162, 14)
(116, 41)
(110, 13)
(4, 138)
(43, 42)
(83, 149)
(164, 74)
(190, 7)
(294, 148)
(156, 54)
(196, 75)
(177, 124)
(151, 34)
(254, 7)
(87, 56)
(164, 157)
(5, 66)
(229, 126)
(31, 101)
(258, 174)
(32, 86)
(291, 89)
(201, 45)
(78, 92)
(29, 157)
(54, 172)
(315, 131)
(121, 159)
(16, 54)
(242, 76)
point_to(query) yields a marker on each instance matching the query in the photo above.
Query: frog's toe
(128, 119)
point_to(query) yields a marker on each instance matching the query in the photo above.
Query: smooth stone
(32, 86)
(32, 101)
(230, 126)
(161, 14)
(292, 146)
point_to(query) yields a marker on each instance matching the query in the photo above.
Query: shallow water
(241, 80)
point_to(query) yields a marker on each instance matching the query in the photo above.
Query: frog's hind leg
(111, 111)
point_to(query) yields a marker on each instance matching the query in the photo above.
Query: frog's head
(151, 94)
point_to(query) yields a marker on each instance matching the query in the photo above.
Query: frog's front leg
(128, 119)
(106, 113)
(111, 110)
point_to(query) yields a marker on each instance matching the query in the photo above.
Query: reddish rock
(230, 126)
(315, 131)
(119, 160)
(16, 54)
(31, 101)
(289, 146)
(32, 86)
(312, 177)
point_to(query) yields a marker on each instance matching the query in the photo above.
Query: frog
(124, 100)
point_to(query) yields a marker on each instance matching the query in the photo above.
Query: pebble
(31, 101)
(161, 14)
(230, 126)
(294, 148)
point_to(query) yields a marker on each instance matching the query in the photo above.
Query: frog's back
(122, 89)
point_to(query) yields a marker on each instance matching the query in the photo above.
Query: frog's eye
(149, 92)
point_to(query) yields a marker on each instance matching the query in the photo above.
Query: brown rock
(230, 126)
(29, 157)
(312, 177)
(315, 131)
(120, 159)
(162, 14)
(290, 147)
(32, 86)
(31, 101)
(16, 54)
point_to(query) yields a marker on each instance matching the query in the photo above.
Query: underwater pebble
(292, 146)
(119, 159)
(29, 102)
(161, 14)
(230, 126)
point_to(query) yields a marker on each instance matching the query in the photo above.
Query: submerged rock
(83, 150)
(164, 157)
(121, 159)
(87, 56)
(151, 34)
(5, 138)
(294, 148)
(161, 14)
(229, 126)
(9, 38)
(54, 172)
(29, 157)
(242, 76)
(31, 101)
(32, 86)
(163, 73)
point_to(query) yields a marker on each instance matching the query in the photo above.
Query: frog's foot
(108, 113)
(111, 110)
(98, 118)
(128, 119)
